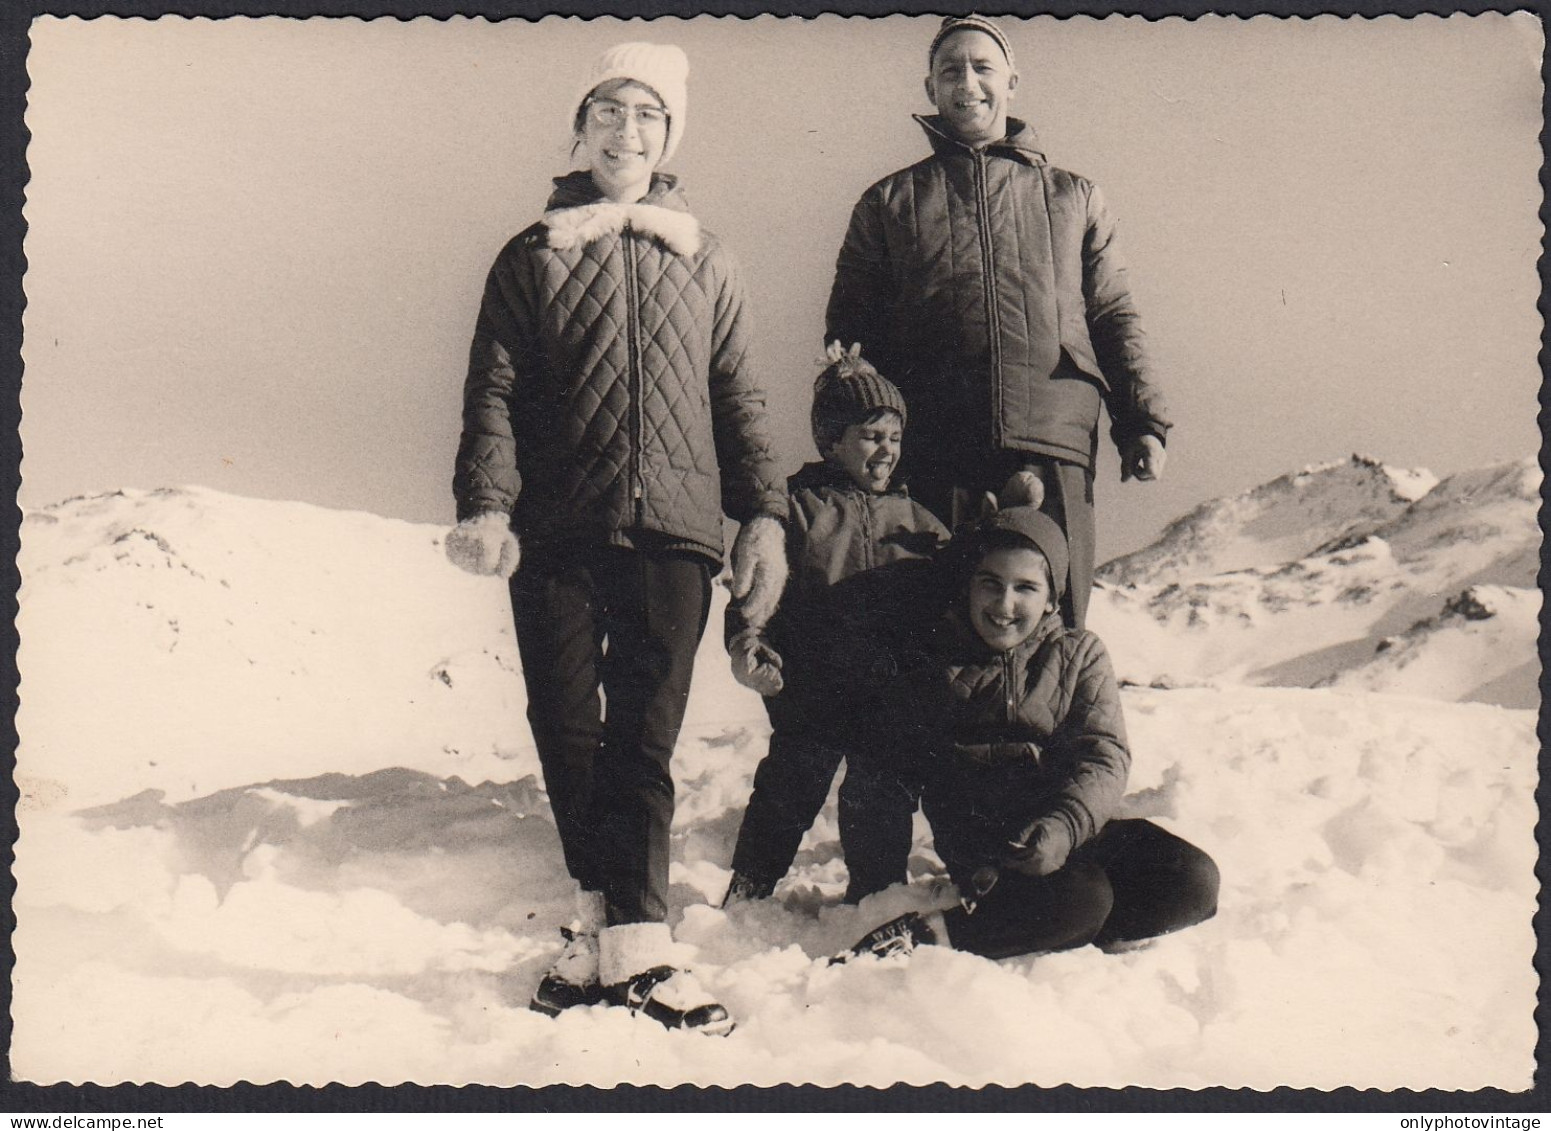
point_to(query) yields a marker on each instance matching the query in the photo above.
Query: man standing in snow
(987, 284)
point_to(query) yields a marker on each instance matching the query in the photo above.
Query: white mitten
(484, 545)
(759, 568)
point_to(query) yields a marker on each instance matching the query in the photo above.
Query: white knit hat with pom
(662, 67)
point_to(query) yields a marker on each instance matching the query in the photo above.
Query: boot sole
(721, 1028)
(555, 1009)
(669, 1019)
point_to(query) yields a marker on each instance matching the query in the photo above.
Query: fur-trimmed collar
(583, 224)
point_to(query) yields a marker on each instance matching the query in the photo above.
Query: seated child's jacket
(1009, 737)
(860, 572)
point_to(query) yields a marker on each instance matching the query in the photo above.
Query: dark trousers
(1132, 881)
(790, 787)
(955, 497)
(628, 622)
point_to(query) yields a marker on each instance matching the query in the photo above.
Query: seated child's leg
(877, 811)
(1034, 915)
(790, 787)
(1161, 883)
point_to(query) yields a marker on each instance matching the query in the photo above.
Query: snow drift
(281, 818)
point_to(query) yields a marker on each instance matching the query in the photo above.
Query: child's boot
(573, 979)
(744, 889)
(638, 970)
(899, 936)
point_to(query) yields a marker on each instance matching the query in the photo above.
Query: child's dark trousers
(792, 783)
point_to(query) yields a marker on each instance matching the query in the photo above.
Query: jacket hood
(578, 214)
(821, 473)
(1021, 142)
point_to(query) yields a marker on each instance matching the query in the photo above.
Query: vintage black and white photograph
(980, 550)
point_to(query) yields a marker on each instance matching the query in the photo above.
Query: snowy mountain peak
(1366, 566)
(1280, 521)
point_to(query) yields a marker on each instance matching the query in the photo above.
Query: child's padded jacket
(1009, 737)
(859, 574)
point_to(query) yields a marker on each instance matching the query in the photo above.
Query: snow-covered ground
(281, 818)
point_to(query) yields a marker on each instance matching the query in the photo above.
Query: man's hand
(755, 664)
(1142, 457)
(759, 568)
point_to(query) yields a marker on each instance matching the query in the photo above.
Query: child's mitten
(1023, 489)
(755, 664)
(759, 568)
(1040, 848)
(484, 545)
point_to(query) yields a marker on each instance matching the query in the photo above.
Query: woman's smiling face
(624, 130)
(1009, 594)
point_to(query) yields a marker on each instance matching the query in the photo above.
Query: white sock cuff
(589, 911)
(633, 948)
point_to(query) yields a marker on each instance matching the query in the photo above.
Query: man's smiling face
(970, 84)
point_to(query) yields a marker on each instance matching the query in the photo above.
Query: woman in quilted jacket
(611, 418)
(1024, 761)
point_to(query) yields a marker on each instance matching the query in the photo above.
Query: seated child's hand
(755, 664)
(1022, 489)
(1040, 849)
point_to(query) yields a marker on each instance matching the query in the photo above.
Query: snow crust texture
(281, 819)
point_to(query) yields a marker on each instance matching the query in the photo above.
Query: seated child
(858, 550)
(1023, 762)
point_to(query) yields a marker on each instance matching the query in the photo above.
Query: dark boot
(898, 936)
(573, 979)
(638, 972)
(745, 889)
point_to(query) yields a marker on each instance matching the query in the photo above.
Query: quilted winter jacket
(610, 390)
(987, 285)
(1014, 736)
(859, 570)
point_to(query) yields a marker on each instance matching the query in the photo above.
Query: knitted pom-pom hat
(951, 24)
(660, 67)
(849, 391)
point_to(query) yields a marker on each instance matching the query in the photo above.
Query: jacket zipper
(866, 532)
(633, 347)
(993, 315)
(1007, 670)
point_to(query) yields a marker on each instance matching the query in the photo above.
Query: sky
(256, 247)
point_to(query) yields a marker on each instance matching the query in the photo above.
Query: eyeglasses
(605, 112)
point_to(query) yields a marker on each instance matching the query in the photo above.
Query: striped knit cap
(951, 24)
(849, 391)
